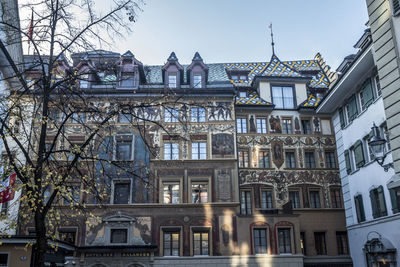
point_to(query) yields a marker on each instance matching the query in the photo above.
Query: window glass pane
(266, 199)
(245, 202)
(263, 159)
(172, 80)
(306, 126)
(119, 235)
(284, 240)
(314, 199)
(261, 125)
(320, 245)
(171, 193)
(290, 160)
(3, 259)
(287, 126)
(260, 241)
(277, 97)
(310, 160)
(197, 81)
(124, 150)
(294, 197)
(121, 193)
(288, 97)
(127, 80)
(199, 192)
(124, 118)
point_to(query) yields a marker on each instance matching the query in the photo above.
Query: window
(261, 125)
(310, 160)
(3, 259)
(241, 124)
(377, 82)
(68, 236)
(348, 162)
(4, 208)
(359, 154)
(72, 196)
(245, 202)
(242, 94)
(199, 150)
(394, 197)
(119, 236)
(78, 117)
(199, 192)
(84, 81)
(171, 151)
(127, 79)
(336, 198)
(282, 97)
(198, 114)
(200, 243)
(124, 118)
(243, 157)
(342, 117)
(266, 199)
(320, 243)
(171, 193)
(284, 240)
(315, 202)
(306, 124)
(124, 148)
(243, 77)
(171, 243)
(378, 202)
(287, 126)
(359, 208)
(235, 77)
(330, 160)
(260, 240)
(303, 243)
(122, 192)
(172, 81)
(171, 115)
(366, 94)
(351, 107)
(263, 159)
(294, 197)
(290, 160)
(342, 243)
(197, 81)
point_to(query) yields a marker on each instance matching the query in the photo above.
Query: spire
(197, 57)
(172, 57)
(272, 39)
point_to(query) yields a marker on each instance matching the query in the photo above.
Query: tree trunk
(41, 242)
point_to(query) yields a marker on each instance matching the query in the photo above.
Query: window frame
(121, 181)
(310, 164)
(323, 243)
(124, 139)
(306, 130)
(196, 115)
(198, 85)
(8, 258)
(169, 182)
(378, 202)
(264, 157)
(243, 158)
(335, 199)
(331, 163)
(265, 190)
(266, 230)
(342, 250)
(287, 126)
(201, 230)
(171, 230)
(199, 155)
(298, 191)
(281, 86)
(318, 205)
(171, 115)
(116, 229)
(204, 181)
(294, 158)
(261, 125)
(170, 82)
(291, 243)
(241, 129)
(69, 230)
(246, 207)
(173, 147)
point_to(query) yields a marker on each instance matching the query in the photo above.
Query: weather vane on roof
(272, 39)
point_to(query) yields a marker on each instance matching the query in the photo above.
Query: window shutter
(348, 163)
(359, 154)
(368, 95)
(341, 116)
(393, 198)
(373, 203)
(396, 6)
(382, 201)
(352, 108)
(362, 212)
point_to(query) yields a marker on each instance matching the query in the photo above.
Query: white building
(371, 196)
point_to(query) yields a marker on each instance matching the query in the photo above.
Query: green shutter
(368, 95)
(393, 198)
(359, 154)
(373, 203)
(382, 202)
(342, 119)
(348, 163)
(360, 205)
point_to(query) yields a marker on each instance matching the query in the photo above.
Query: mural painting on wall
(219, 111)
(317, 125)
(223, 145)
(252, 124)
(297, 126)
(277, 152)
(147, 113)
(275, 124)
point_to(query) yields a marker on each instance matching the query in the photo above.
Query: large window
(122, 192)
(310, 160)
(199, 150)
(171, 243)
(241, 125)
(282, 97)
(284, 240)
(263, 159)
(294, 197)
(243, 157)
(358, 201)
(172, 80)
(260, 240)
(200, 243)
(197, 81)
(336, 198)
(245, 202)
(124, 148)
(330, 160)
(199, 192)
(198, 114)
(378, 202)
(342, 243)
(171, 115)
(315, 201)
(119, 236)
(171, 193)
(127, 79)
(287, 126)
(290, 160)
(266, 199)
(306, 125)
(261, 125)
(171, 151)
(320, 243)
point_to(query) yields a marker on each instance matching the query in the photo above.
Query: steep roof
(277, 68)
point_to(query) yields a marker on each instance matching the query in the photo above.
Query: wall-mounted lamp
(377, 145)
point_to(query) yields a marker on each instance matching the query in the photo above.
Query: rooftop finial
(272, 39)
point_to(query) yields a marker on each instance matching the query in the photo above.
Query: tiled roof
(311, 102)
(252, 99)
(319, 81)
(277, 68)
(253, 69)
(303, 65)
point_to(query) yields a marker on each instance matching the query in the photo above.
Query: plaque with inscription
(224, 185)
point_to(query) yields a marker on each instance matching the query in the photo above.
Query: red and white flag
(7, 188)
(30, 31)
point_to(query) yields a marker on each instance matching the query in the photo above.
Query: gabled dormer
(128, 72)
(197, 72)
(85, 72)
(61, 67)
(172, 72)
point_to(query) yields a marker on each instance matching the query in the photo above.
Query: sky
(237, 30)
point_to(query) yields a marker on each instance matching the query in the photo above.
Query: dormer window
(127, 79)
(84, 81)
(172, 79)
(235, 77)
(197, 72)
(242, 94)
(197, 80)
(283, 97)
(238, 76)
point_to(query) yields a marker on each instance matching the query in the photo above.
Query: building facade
(234, 168)
(371, 195)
